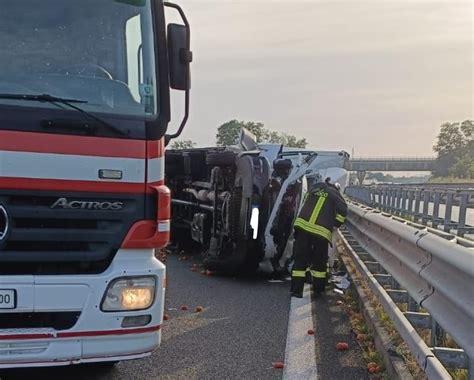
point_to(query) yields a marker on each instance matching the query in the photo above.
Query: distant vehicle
(84, 108)
(236, 205)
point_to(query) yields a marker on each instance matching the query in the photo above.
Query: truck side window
(134, 55)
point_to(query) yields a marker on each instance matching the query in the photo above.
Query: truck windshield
(99, 51)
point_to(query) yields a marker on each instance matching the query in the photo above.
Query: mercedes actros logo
(4, 225)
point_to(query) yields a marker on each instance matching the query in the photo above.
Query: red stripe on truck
(79, 145)
(64, 185)
(73, 334)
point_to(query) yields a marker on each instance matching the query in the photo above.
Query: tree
(183, 144)
(287, 140)
(455, 148)
(228, 134)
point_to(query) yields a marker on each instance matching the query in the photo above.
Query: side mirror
(179, 62)
(179, 57)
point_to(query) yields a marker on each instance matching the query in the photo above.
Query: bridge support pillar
(361, 176)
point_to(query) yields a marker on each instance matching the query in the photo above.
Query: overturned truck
(236, 205)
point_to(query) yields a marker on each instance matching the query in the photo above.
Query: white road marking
(300, 353)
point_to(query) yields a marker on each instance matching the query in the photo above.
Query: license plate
(7, 299)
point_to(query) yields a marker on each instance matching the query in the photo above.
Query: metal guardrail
(421, 203)
(402, 159)
(426, 269)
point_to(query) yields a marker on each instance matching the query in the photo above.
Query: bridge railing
(445, 206)
(427, 271)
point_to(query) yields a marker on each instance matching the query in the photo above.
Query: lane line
(300, 352)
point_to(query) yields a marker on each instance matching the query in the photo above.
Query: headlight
(133, 293)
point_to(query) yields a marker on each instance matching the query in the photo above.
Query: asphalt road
(239, 334)
(241, 331)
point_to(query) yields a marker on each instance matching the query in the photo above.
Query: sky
(377, 77)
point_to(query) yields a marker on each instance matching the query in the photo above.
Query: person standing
(323, 210)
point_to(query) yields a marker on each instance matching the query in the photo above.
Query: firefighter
(323, 210)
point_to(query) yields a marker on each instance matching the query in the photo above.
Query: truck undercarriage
(236, 205)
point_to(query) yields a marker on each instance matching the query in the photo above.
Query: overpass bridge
(361, 165)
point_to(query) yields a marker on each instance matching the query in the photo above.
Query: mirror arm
(185, 56)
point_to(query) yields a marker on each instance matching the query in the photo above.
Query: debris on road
(340, 280)
(338, 291)
(198, 309)
(311, 332)
(183, 307)
(166, 317)
(278, 365)
(342, 346)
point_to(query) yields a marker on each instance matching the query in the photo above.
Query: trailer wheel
(225, 158)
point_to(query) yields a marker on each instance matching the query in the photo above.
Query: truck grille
(52, 320)
(46, 240)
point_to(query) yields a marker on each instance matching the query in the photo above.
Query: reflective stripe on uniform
(317, 274)
(313, 229)
(340, 218)
(317, 210)
(298, 273)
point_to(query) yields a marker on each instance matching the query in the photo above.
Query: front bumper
(96, 336)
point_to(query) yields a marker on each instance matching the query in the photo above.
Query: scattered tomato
(278, 365)
(184, 307)
(166, 317)
(371, 364)
(310, 332)
(198, 309)
(342, 346)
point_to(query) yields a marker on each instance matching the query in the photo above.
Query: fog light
(125, 294)
(136, 321)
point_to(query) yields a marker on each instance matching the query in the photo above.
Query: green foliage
(228, 134)
(183, 144)
(455, 149)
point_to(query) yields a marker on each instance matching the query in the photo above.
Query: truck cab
(84, 112)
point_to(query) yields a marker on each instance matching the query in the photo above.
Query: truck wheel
(225, 158)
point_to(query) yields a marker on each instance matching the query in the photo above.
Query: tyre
(225, 158)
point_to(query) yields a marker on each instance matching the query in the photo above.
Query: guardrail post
(398, 203)
(437, 333)
(436, 202)
(416, 212)
(448, 212)
(383, 206)
(462, 214)
(412, 305)
(403, 206)
(426, 202)
(393, 195)
(411, 197)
